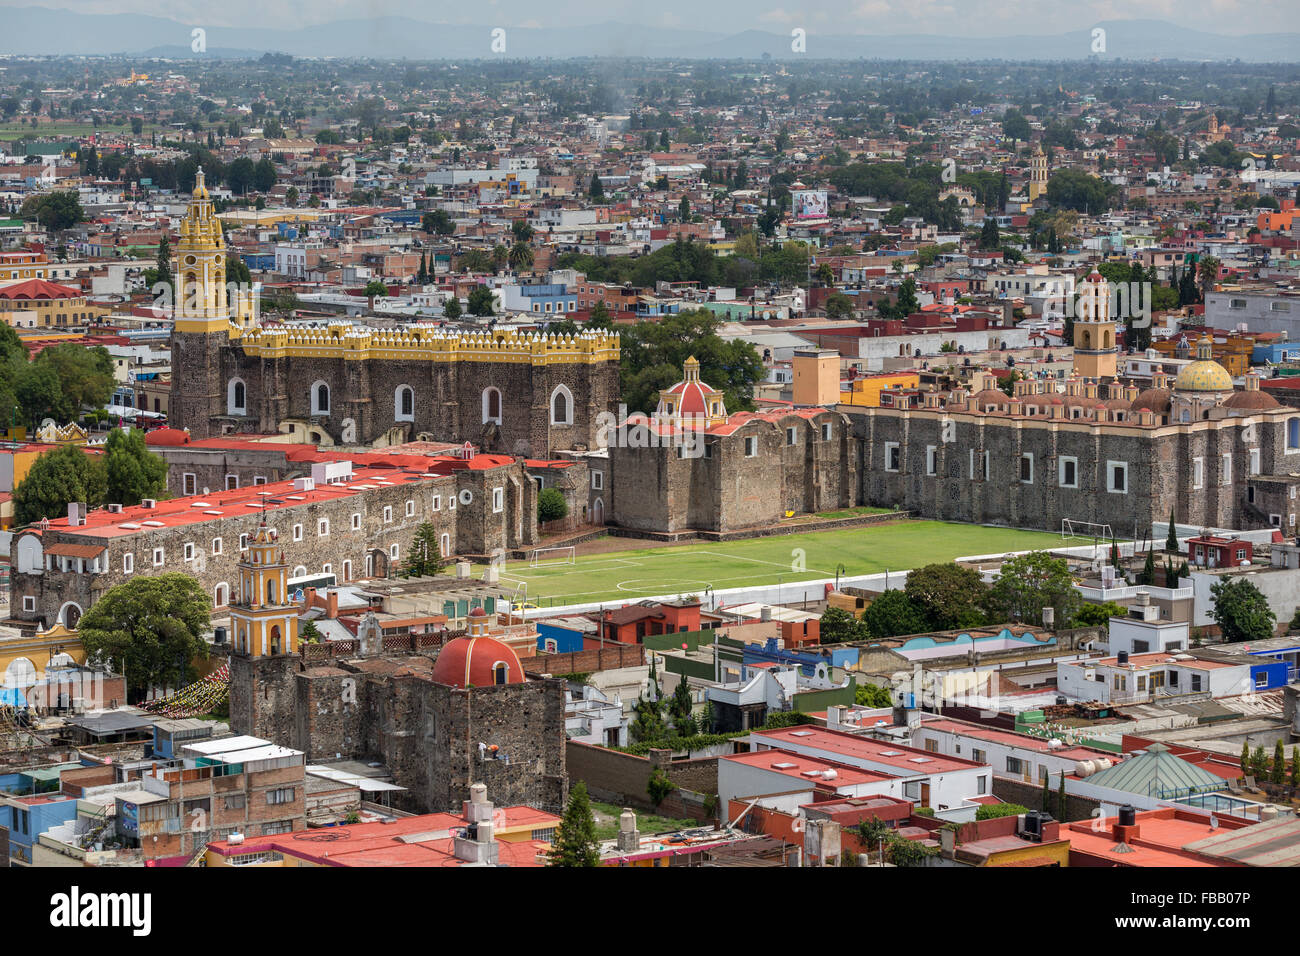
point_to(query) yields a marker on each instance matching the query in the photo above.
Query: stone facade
(748, 473)
(362, 531)
(435, 739)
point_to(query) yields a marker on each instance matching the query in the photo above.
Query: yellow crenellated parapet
(426, 342)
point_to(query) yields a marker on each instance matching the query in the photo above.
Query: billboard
(809, 203)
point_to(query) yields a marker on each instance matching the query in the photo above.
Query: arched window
(275, 639)
(220, 595)
(236, 400)
(320, 399)
(270, 591)
(404, 404)
(491, 405)
(561, 406)
(500, 672)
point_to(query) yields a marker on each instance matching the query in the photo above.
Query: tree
(55, 211)
(551, 505)
(437, 222)
(521, 256)
(838, 626)
(993, 811)
(596, 190)
(1207, 274)
(575, 838)
(424, 558)
(1258, 763)
(1061, 799)
(1295, 766)
(240, 175)
(132, 471)
(1028, 583)
(653, 352)
(291, 196)
(373, 289)
(1277, 772)
(1245, 757)
(838, 306)
(1171, 542)
(56, 478)
(309, 633)
(658, 787)
(1097, 615)
(990, 238)
(1241, 611)
(600, 317)
(451, 308)
(84, 376)
(1075, 189)
(264, 175)
(892, 614)
(1015, 126)
(150, 629)
(948, 596)
(1147, 576)
(481, 301)
(684, 210)
(872, 695)
(680, 704)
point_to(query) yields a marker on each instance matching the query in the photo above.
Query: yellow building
(866, 391)
(25, 655)
(54, 305)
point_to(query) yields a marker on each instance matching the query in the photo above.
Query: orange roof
(38, 289)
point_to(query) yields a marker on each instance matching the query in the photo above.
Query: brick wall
(605, 658)
(1030, 796)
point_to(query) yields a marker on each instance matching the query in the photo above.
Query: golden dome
(1204, 375)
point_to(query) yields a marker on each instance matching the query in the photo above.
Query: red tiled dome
(474, 660)
(167, 436)
(1156, 400)
(692, 399)
(478, 612)
(1250, 400)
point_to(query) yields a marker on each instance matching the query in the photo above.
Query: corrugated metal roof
(1155, 770)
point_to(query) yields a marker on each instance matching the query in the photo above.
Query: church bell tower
(264, 621)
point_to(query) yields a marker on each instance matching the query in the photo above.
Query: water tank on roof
(1085, 768)
(829, 774)
(1103, 764)
(1127, 816)
(1055, 744)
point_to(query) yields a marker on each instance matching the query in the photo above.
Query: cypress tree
(1295, 766)
(1171, 542)
(1245, 758)
(1277, 771)
(1060, 799)
(575, 837)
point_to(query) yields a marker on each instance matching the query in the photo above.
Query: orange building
(866, 390)
(633, 623)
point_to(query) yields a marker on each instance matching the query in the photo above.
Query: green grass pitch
(628, 576)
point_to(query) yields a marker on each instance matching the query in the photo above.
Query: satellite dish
(1214, 821)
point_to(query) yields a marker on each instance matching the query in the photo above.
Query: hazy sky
(947, 17)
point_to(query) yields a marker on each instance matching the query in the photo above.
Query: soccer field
(690, 569)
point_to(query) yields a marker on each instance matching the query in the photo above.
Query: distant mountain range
(40, 31)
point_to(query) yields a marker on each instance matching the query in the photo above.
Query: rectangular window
(323, 527)
(258, 480)
(393, 552)
(498, 500)
(243, 542)
(597, 480)
(1117, 477)
(1225, 470)
(751, 447)
(1014, 765)
(356, 518)
(1196, 682)
(189, 550)
(280, 795)
(158, 557)
(29, 602)
(792, 436)
(1254, 461)
(297, 532)
(893, 456)
(410, 508)
(826, 431)
(1068, 473)
(128, 563)
(236, 801)
(216, 546)
(931, 460)
(1027, 468)
(1198, 472)
(188, 483)
(388, 513)
(278, 826)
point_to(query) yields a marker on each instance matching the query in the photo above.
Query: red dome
(692, 398)
(474, 660)
(478, 612)
(167, 436)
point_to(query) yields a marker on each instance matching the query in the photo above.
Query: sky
(943, 17)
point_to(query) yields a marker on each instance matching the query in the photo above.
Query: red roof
(38, 289)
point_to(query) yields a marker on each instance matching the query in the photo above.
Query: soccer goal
(553, 557)
(1073, 528)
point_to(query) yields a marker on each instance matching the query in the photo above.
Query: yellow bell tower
(1096, 353)
(264, 621)
(201, 299)
(1037, 173)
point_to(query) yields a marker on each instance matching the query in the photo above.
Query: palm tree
(521, 256)
(500, 256)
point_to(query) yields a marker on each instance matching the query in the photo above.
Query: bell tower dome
(264, 622)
